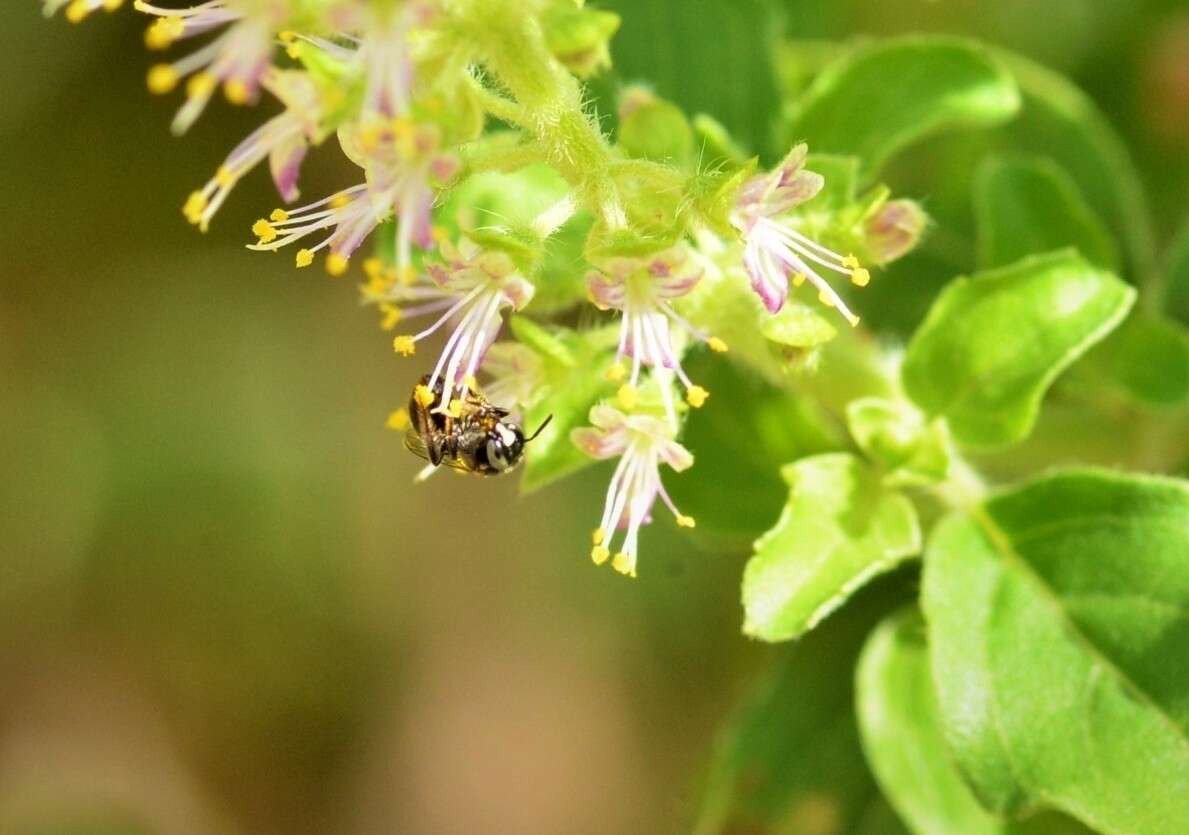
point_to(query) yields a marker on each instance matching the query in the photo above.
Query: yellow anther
(406, 275)
(599, 554)
(853, 319)
(339, 201)
(696, 396)
(293, 51)
(194, 207)
(597, 536)
(162, 79)
(163, 32)
(236, 91)
(401, 126)
(622, 563)
(455, 408)
(798, 279)
(201, 85)
(337, 264)
(372, 267)
(278, 216)
(628, 396)
(470, 382)
(264, 230)
(112, 5)
(423, 395)
(304, 258)
(615, 373)
(440, 233)
(717, 345)
(406, 347)
(392, 315)
(850, 262)
(398, 420)
(825, 298)
(684, 521)
(77, 11)
(287, 37)
(860, 277)
(225, 177)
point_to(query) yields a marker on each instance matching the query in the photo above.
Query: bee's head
(505, 444)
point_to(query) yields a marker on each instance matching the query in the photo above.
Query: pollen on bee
(684, 521)
(696, 396)
(717, 345)
(599, 554)
(398, 420)
(162, 78)
(628, 396)
(337, 264)
(304, 258)
(264, 230)
(423, 395)
(455, 408)
(406, 347)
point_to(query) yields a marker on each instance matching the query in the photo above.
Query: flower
(642, 443)
(774, 250)
(894, 230)
(473, 286)
(402, 165)
(515, 374)
(77, 10)
(283, 140)
(643, 289)
(237, 59)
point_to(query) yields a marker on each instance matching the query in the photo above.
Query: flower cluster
(424, 97)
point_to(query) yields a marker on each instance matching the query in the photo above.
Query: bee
(477, 438)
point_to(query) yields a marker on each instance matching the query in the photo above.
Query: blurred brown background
(224, 607)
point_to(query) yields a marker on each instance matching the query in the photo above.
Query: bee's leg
(436, 449)
(425, 473)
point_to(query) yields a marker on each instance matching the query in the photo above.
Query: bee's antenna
(540, 429)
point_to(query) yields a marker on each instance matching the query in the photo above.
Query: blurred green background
(224, 607)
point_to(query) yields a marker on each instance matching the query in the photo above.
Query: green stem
(506, 39)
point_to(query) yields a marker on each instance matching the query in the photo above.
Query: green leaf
(716, 59)
(1148, 357)
(1028, 206)
(839, 529)
(876, 101)
(1060, 122)
(896, 436)
(901, 732)
(797, 326)
(1060, 647)
(739, 439)
(652, 128)
(790, 761)
(1176, 283)
(992, 344)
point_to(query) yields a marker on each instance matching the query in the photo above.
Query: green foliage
(876, 101)
(897, 437)
(1060, 648)
(840, 528)
(992, 344)
(901, 731)
(1176, 287)
(1027, 206)
(790, 760)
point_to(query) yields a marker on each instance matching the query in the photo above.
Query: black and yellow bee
(471, 435)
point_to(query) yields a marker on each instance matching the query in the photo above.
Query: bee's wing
(415, 445)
